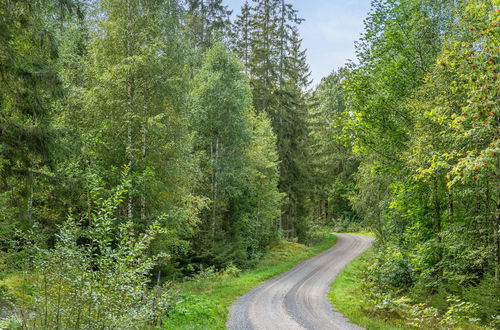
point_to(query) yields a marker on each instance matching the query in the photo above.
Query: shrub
(394, 271)
(487, 296)
(96, 276)
(460, 311)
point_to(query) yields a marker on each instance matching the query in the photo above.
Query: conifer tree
(29, 87)
(263, 63)
(279, 75)
(240, 35)
(332, 161)
(240, 165)
(207, 21)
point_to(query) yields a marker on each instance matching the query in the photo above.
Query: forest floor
(297, 299)
(206, 301)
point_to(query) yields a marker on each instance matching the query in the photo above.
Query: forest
(149, 143)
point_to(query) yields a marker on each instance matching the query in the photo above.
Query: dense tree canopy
(166, 139)
(423, 105)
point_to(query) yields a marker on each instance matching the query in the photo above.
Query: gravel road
(298, 299)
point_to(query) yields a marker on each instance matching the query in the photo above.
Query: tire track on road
(297, 299)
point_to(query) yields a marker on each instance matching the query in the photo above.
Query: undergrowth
(205, 300)
(356, 296)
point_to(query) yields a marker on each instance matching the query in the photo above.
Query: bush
(316, 235)
(394, 271)
(348, 223)
(96, 276)
(460, 311)
(487, 296)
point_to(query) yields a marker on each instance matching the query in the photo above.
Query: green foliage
(29, 87)
(423, 113)
(192, 311)
(347, 295)
(206, 298)
(394, 270)
(207, 22)
(266, 38)
(460, 311)
(262, 201)
(97, 275)
(225, 157)
(484, 295)
(332, 162)
(238, 155)
(221, 100)
(90, 86)
(363, 304)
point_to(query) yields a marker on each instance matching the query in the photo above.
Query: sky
(329, 31)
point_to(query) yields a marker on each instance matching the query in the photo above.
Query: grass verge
(204, 304)
(364, 233)
(346, 295)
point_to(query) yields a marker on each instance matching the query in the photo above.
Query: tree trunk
(496, 239)
(450, 204)
(129, 115)
(437, 207)
(437, 220)
(143, 156)
(215, 187)
(29, 189)
(496, 233)
(326, 210)
(281, 222)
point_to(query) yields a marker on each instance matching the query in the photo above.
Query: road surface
(298, 299)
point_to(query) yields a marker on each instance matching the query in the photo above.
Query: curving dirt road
(298, 299)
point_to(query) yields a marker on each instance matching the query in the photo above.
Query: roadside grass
(348, 296)
(364, 233)
(204, 303)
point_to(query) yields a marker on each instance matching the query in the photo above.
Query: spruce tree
(269, 43)
(30, 86)
(207, 21)
(240, 35)
(332, 164)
